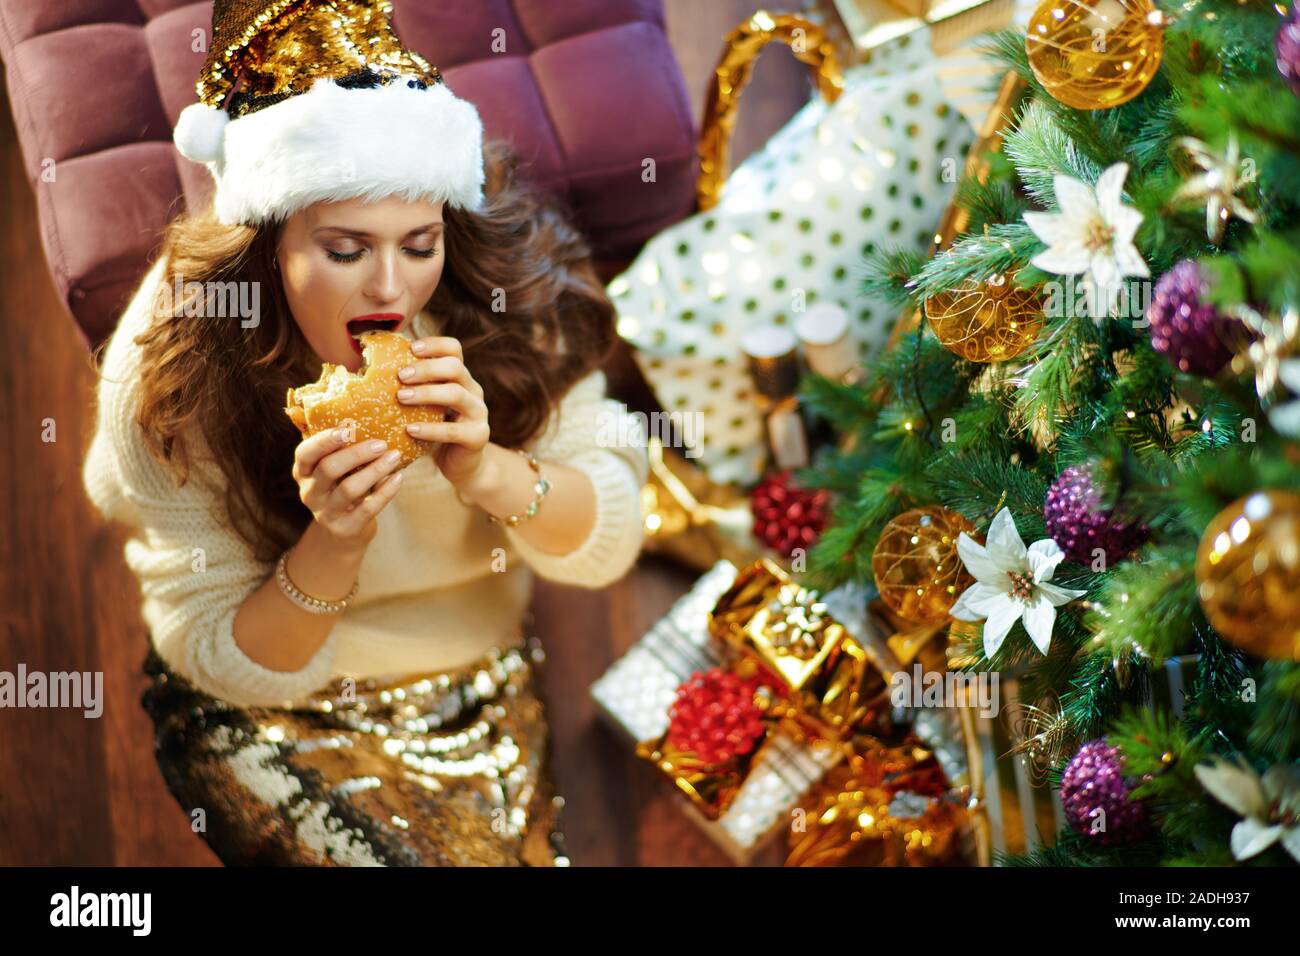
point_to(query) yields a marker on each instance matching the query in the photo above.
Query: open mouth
(372, 323)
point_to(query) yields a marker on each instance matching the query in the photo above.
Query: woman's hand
(439, 377)
(345, 486)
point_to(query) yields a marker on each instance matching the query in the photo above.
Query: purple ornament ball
(1078, 523)
(1188, 332)
(1097, 799)
(1287, 46)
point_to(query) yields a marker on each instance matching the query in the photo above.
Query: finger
(446, 394)
(372, 504)
(445, 369)
(473, 435)
(436, 345)
(320, 494)
(360, 483)
(311, 450)
(333, 467)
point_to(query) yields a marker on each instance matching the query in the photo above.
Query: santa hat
(302, 101)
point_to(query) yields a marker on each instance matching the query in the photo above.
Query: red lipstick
(376, 321)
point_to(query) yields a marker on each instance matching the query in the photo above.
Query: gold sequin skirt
(438, 769)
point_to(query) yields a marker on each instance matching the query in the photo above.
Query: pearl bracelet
(306, 601)
(539, 492)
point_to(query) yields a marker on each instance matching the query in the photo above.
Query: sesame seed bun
(364, 401)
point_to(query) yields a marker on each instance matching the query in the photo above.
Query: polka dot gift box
(794, 223)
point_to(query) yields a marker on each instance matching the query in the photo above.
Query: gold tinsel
(1248, 574)
(916, 566)
(1095, 54)
(986, 321)
(691, 519)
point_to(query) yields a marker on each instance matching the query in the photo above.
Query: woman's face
(351, 266)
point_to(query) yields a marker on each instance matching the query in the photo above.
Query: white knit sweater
(439, 584)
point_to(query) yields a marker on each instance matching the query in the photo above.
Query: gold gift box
(867, 812)
(832, 685)
(711, 788)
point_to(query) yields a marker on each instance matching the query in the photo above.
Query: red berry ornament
(715, 717)
(786, 516)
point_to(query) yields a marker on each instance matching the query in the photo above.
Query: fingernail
(413, 429)
(375, 447)
(419, 348)
(393, 457)
(405, 373)
(340, 434)
(404, 393)
(396, 479)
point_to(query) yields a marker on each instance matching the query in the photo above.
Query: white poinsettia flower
(1092, 234)
(1286, 418)
(1011, 584)
(1269, 806)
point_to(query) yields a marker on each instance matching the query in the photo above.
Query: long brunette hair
(203, 373)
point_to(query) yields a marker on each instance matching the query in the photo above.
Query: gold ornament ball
(986, 320)
(1095, 54)
(1248, 574)
(917, 569)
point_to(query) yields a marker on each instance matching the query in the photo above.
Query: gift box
(639, 689)
(826, 706)
(830, 684)
(871, 163)
(885, 806)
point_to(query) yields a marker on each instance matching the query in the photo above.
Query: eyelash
(354, 256)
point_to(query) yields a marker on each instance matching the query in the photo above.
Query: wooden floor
(75, 791)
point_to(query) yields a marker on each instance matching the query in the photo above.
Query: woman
(339, 671)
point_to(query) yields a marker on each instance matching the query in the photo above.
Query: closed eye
(354, 256)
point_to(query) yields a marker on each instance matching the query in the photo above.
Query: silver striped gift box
(637, 690)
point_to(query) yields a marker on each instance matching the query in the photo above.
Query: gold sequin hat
(303, 101)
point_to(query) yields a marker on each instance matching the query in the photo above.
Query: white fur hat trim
(332, 143)
(200, 132)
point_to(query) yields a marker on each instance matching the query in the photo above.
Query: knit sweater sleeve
(194, 569)
(598, 437)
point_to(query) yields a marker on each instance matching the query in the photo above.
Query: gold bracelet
(304, 600)
(540, 489)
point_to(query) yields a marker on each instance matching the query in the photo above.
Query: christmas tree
(1089, 415)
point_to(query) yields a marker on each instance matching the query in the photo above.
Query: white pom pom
(200, 132)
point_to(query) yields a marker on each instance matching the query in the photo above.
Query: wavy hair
(203, 374)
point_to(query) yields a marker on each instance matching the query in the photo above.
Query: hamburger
(364, 402)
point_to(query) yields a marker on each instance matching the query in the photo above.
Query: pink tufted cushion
(585, 90)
